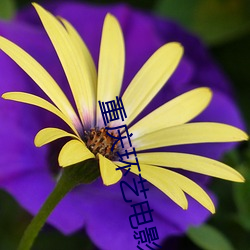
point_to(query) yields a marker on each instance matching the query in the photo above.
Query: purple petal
(99, 209)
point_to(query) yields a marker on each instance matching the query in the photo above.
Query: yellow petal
(48, 135)
(151, 78)
(111, 61)
(39, 102)
(192, 189)
(161, 178)
(86, 58)
(178, 111)
(190, 133)
(71, 59)
(194, 163)
(157, 177)
(73, 152)
(42, 78)
(108, 171)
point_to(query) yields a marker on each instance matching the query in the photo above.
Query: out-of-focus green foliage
(215, 21)
(241, 194)
(231, 203)
(234, 58)
(202, 237)
(14, 220)
(7, 9)
(11, 222)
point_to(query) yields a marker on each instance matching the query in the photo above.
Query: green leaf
(241, 194)
(7, 9)
(209, 238)
(215, 21)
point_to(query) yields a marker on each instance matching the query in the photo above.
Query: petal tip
(110, 19)
(108, 171)
(240, 178)
(36, 143)
(210, 207)
(185, 206)
(208, 90)
(110, 16)
(177, 45)
(212, 210)
(243, 136)
(36, 5)
(246, 137)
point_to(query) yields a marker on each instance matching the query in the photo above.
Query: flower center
(98, 141)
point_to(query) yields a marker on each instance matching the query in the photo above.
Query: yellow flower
(165, 126)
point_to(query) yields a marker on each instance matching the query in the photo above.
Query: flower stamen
(98, 141)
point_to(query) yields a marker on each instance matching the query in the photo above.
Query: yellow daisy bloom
(165, 126)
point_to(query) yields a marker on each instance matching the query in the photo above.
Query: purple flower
(27, 172)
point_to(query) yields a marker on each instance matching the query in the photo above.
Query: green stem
(71, 177)
(39, 220)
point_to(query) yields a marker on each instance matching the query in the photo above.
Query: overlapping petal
(173, 185)
(39, 102)
(48, 135)
(161, 181)
(190, 133)
(71, 59)
(111, 62)
(187, 106)
(108, 171)
(40, 76)
(194, 163)
(74, 152)
(150, 79)
(84, 53)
